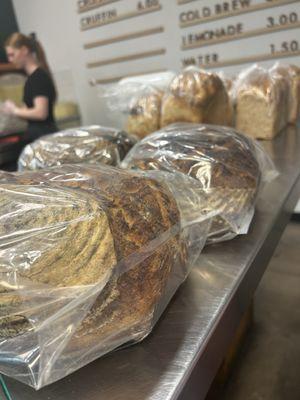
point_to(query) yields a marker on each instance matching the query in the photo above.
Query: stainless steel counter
(181, 356)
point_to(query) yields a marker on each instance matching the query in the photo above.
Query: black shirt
(39, 83)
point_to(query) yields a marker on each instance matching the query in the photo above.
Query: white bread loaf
(261, 103)
(292, 74)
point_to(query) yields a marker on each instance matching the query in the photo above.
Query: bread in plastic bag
(144, 114)
(226, 165)
(196, 96)
(229, 86)
(10, 123)
(261, 103)
(90, 144)
(292, 74)
(135, 102)
(90, 255)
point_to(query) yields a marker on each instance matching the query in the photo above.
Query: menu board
(222, 34)
(131, 37)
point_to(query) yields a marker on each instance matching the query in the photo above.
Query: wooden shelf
(122, 17)
(251, 59)
(95, 4)
(113, 79)
(7, 67)
(129, 57)
(239, 36)
(240, 11)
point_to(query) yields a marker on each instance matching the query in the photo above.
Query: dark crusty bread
(93, 144)
(222, 160)
(103, 223)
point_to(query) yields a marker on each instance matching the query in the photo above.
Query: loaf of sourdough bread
(80, 227)
(91, 144)
(221, 160)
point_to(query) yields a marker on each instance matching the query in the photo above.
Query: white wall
(57, 25)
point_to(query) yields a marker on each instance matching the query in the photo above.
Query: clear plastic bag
(91, 144)
(10, 123)
(291, 73)
(261, 103)
(226, 166)
(229, 86)
(135, 103)
(196, 96)
(89, 258)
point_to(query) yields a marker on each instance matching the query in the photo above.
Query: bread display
(291, 73)
(222, 161)
(196, 96)
(92, 144)
(95, 241)
(229, 83)
(144, 114)
(261, 98)
(261, 103)
(134, 103)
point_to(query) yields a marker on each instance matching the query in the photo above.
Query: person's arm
(38, 112)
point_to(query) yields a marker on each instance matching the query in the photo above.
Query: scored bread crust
(224, 164)
(130, 212)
